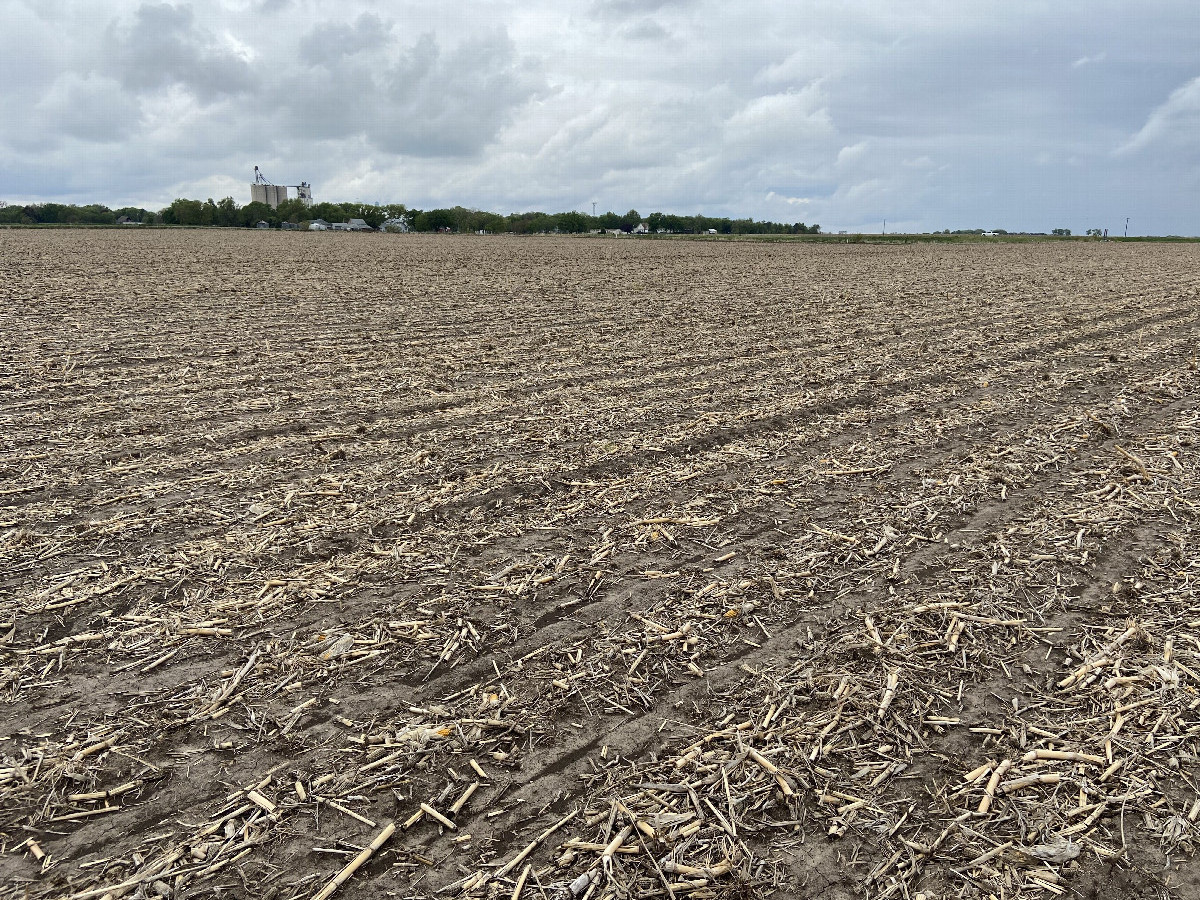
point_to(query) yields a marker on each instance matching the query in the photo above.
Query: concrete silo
(262, 191)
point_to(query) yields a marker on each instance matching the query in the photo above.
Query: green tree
(369, 213)
(492, 223)
(292, 210)
(572, 223)
(466, 220)
(184, 212)
(227, 213)
(135, 213)
(92, 214)
(434, 219)
(253, 213)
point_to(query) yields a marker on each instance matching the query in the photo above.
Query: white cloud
(1177, 121)
(791, 201)
(853, 154)
(820, 58)
(779, 121)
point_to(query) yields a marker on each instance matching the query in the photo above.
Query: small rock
(340, 647)
(1058, 852)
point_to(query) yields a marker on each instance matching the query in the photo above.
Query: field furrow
(599, 568)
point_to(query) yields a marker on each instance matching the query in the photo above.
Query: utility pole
(885, 226)
(593, 209)
(1127, 226)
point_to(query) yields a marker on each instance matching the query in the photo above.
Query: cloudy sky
(952, 114)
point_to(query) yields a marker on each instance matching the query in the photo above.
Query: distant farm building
(270, 194)
(318, 225)
(262, 191)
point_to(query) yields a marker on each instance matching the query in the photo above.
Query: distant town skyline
(1023, 116)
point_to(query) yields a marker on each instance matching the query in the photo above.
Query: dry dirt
(703, 569)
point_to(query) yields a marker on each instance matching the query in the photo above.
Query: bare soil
(597, 567)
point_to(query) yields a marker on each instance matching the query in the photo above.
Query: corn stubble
(500, 567)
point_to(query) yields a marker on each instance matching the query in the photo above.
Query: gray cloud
(332, 43)
(164, 45)
(644, 30)
(621, 9)
(1020, 115)
(89, 108)
(423, 99)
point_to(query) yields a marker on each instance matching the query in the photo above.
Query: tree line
(461, 219)
(226, 213)
(69, 214)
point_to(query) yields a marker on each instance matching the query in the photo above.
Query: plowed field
(597, 568)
